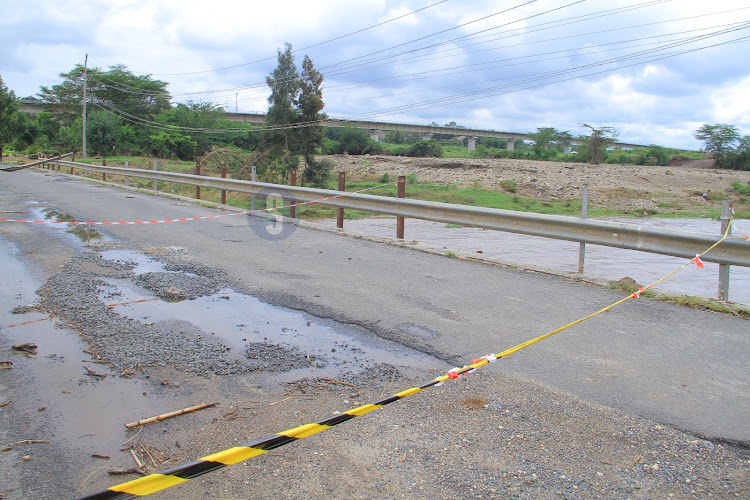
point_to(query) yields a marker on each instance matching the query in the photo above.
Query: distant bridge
(376, 130)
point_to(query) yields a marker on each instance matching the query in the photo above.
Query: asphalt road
(674, 365)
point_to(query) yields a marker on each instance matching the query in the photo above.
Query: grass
(700, 303)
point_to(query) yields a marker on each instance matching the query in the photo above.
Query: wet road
(677, 366)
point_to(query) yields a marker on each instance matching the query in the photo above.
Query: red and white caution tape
(186, 219)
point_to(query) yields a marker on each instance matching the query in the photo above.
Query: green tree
(543, 138)
(310, 112)
(117, 89)
(353, 141)
(593, 146)
(719, 139)
(285, 88)
(102, 129)
(8, 116)
(203, 116)
(173, 144)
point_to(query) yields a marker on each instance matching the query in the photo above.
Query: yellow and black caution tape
(170, 477)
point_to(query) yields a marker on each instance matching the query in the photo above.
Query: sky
(654, 70)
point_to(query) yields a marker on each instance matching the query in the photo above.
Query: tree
(116, 89)
(285, 88)
(167, 145)
(102, 130)
(542, 138)
(200, 115)
(353, 141)
(719, 139)
(593, 146)
(8, 116)
(310, 107)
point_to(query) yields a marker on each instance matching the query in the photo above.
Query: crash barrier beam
(627, 236)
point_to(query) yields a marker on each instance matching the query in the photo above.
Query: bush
(168, 145)
(735, 161)
(425, 148)
(385, 179)
(318, 171)
(411, 178)
(510, 185)
(353, 141)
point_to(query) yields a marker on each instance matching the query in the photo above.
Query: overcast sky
(543, 63)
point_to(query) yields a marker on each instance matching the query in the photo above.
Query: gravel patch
(72, 296)
(265, 356)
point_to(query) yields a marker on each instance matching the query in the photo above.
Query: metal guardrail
(40, 162)
(734, 252)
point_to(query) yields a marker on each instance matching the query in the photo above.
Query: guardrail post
(104, 174)
(253, 179)
(340, 212)
(584, 215)
(223, 191)
(293, 182)
(127, 179)
(726, 214)
(156, 183)
(401, 194)
(197, 188)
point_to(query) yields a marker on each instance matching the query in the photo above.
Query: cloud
(657, 101)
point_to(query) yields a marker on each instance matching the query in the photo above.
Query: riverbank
(625, 189)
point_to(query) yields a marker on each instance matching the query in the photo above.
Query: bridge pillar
(425, 136)
(472, 143)
(566, 149)
(511, 144)
(375, 135)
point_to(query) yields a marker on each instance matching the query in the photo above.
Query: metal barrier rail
(33, 164)
(613, 234)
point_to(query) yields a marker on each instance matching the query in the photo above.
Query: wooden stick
(137, 462)
(281, 401)
(169, 415)
(149, 456)
(126, 471)
(30, 441)
(334, 381)
(93, 373)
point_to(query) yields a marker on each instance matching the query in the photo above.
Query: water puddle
(601, 261)
(88, 411)
(85, 233)
(281, 342)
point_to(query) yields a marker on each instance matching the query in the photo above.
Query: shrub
(425, 148)
(318, 171)
(385, 179)
(411, 178)
(510, 185)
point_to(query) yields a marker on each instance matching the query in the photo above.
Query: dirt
(625, 188)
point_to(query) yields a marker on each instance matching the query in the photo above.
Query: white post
(726, 209)
(156, 183)
(253, 202)
(127, 179)
(584, 215)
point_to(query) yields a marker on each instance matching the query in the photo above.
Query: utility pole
(85, 66)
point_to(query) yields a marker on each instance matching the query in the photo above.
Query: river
(601, 261)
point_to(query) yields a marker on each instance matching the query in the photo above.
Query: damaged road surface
(133, 322)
